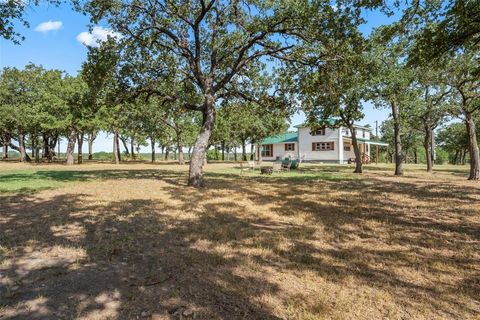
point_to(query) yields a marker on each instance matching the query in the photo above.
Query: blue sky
(53, 40)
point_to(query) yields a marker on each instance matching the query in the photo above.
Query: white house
(281, 145)
(327, 144)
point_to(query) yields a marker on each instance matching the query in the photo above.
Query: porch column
(340, 145)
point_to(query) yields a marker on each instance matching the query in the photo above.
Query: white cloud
(45, 27)
(98, 34)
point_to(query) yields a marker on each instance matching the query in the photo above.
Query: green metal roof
(326, 122)
(331, 122)
(369, 141)
(281, 138)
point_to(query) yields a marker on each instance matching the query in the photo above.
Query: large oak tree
(215, 43)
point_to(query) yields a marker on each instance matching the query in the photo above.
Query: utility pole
(376, 129)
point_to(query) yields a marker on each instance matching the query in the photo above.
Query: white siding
(361, 133)
(364, 148)
(303, 148)
(305, 140)
(279, 151)
(348, 154)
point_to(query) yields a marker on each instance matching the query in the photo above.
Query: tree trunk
(235, 154)
(132, 148)
(91, 137)
(223, 151)
(152, 142)
(181, 160)
(244, 151)
(356, 150)
(71, 147)
(124, 142)
(259, 152)
(426, 144)
(35, 149)
(45, 146)
(58, 142)
(80, 148)
(5, 151)
(473, 148)
(37, 154)
(23, 152)
(52, 143)
(398, 141)
(167, 152)
(195, 175)
(119, 153)
(116, 148)
(252, 150)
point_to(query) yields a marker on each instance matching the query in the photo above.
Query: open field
(100, 241)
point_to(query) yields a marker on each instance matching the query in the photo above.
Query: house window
(267, 150)
(363, 133)
(346, 147)
(319, 132)
(322, 146)
(289, 146)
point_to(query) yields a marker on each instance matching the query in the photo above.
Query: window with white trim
(322, 146)
(319, 132)
(267, 150)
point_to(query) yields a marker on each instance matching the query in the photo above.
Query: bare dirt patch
(134, 241)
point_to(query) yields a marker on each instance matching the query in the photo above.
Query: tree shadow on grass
(72, 256)
(414, 236)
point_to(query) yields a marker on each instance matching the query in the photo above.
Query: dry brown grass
(134, 238)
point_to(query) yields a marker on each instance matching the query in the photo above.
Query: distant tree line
(38, 107)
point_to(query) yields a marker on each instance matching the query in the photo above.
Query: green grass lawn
(31, 179)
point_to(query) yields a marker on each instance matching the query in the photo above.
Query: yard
(100, 241)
